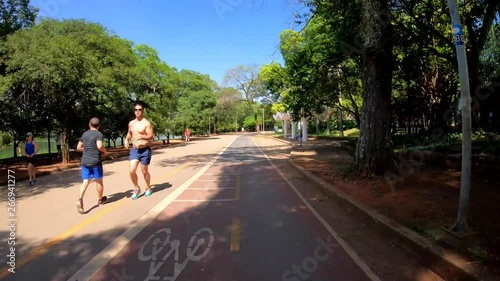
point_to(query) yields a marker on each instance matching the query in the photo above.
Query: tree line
(56, 74)
(388, 64)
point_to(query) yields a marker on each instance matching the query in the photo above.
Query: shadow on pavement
(72, 176)
(65, 257)
(60, 180)
(143, 256)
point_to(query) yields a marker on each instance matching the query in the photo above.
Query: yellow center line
(61, 237)
(235, 235)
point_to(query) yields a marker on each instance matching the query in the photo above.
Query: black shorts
(31, 159)
(58, 147)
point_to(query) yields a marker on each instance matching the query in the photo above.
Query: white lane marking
(366, 269)
(101, 259)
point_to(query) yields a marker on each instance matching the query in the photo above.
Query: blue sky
(209, 36)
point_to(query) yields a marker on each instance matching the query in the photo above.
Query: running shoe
(79, 206)
(136, 193)
(102, 201)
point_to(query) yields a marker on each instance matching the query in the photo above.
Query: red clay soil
(425, 201)
(46, 164)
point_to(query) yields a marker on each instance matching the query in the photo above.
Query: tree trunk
(16, 143)
(479, 38)
(374, 149)
(256, 122)
(48, 141)
(341, 123)
(473, 67)
(328, 126)
(66, 139)
(317, 124)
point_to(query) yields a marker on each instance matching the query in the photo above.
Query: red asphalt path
(238, 221)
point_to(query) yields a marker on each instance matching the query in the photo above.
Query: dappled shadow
(424, 197)
(246, 154)
(65, 257)
(46, 164)
(256, 209)
(128, 193)
(409, 261)
(59, 180)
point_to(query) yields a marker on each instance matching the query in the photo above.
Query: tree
(374, 150)
(22, 114)
(274, 79)
(245, 78)
(196, 97)
(156, 86)
(73, 65)
(14, 15)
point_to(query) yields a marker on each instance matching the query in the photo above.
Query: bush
(6, 139)
(249, 123)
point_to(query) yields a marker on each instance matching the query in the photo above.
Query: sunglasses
(137, 109)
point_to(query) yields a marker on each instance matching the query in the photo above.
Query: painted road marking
(42, 249)
(101, 259)
(45, 247)
(235, 235)
(367, 270)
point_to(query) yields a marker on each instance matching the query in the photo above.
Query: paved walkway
(220, 211)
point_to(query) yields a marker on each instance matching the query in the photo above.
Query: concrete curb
(446, 264)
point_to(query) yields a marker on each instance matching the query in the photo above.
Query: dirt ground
(423, 201)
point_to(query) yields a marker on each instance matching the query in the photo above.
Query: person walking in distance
(30, 150)
(187, 133)
(140, 132)
(92, 145)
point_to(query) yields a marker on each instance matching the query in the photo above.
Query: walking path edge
(446, 264)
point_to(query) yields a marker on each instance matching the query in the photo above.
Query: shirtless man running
(140, 131)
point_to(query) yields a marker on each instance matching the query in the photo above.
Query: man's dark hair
(94, 122)
(140, 103)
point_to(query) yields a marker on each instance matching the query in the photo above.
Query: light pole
(461, 224)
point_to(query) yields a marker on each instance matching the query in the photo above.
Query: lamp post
(461, 224)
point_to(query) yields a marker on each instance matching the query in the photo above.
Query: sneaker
(31, 183)
(79, 206)
(136, 193)
(102, 200)
(34, 182)
(148, 192)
